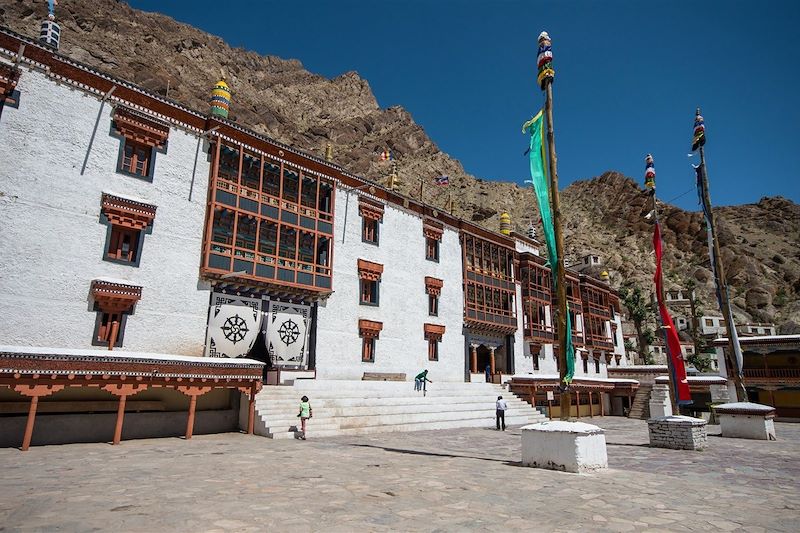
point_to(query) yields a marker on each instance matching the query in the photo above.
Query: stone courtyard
(449, 480)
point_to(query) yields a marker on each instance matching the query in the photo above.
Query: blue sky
(629, 75)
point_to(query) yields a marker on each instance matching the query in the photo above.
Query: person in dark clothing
(488, 373)
(500, 407)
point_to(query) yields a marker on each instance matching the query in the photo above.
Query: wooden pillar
(112, 339)
(122, 391)
(251, 411)
(602, 406)
(550, 409)
(772, 396)
(190, 422)
(120, 417)
(591, 405)
(192, 392)
(34, 392)
(577, 404)
(26, 439)
(473, 353)
(491, 359)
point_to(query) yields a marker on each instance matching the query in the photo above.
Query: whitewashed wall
(403, 305)
(52, 240)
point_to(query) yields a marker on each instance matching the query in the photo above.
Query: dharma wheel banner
(539, 179)
(233, 325)
(287, 332)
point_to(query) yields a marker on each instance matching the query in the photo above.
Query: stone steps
(640, 409)
(359, 408)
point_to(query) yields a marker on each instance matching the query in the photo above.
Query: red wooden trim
(140, 128)
(369, 271)
(433, 331)
(369, 328)
(433, 286)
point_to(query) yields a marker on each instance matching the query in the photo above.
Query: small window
(108, 326)
(431, 249)
(369, 292)
(369, 231)
(368, 350)
(123, 244)
(433, 305)
(585, 366)
(433, 350)
(135, 158)
(709, 322)
(597, 366)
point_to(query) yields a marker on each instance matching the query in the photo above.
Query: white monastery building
(134, 224)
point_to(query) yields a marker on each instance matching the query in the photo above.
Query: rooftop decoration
(221, 99)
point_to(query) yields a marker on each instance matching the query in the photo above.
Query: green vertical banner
(539, 179)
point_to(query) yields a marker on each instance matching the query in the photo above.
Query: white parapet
(566, 446)
(678, 432)
(745, 420)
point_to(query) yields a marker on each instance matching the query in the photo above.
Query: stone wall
(678, 432)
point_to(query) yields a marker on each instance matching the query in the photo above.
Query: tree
(640, 311)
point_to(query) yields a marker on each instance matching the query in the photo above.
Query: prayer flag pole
(733, 358)
(545, 80)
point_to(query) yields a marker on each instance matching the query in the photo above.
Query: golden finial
(329, 152)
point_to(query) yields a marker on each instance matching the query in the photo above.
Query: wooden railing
(772, 373)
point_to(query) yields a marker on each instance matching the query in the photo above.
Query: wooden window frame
(433, 305)
(235, 190)
(431, 249)
(370, 231)
(114, 250)
(143, 135)
(369, 292)
(368, 350)
(125, 217)
(115, 301)
(433, 349)
(129, 163)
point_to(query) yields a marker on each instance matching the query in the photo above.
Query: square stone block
(566, 446)
(745, 420)
(678, 432)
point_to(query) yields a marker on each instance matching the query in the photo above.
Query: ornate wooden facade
(268, 221)
(489, 286)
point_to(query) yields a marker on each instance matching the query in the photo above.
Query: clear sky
(629, 75)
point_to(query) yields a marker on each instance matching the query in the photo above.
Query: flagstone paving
(448, 480)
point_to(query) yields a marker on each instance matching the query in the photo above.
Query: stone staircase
(365, 407)
(641, 402)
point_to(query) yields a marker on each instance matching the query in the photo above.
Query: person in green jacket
(304, 414)
(420, 379)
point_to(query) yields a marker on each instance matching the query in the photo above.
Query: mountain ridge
(278, 97)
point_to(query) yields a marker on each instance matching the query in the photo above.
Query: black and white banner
(287, 332)
(233, 325)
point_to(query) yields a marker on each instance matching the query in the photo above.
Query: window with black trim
(369, 292)
(585, 365)
(370, 231)
(433, 305)
(431, 249)
(123, 245)
(596, 365)
(106, 326)
(368, 350)
(433, 349)
(135, 158)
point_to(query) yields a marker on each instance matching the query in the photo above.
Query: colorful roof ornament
(221, 99)
(699, 136)
(649, 173)
(545, 60)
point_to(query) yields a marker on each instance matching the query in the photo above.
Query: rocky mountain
(279, 98)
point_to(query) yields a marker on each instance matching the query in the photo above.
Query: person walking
(488, 373)
(500, 417)
(420, 380)
(304, 414)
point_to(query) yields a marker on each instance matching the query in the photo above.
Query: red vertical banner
(673, 341)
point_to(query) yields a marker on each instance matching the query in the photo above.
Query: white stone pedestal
(678, 432)
(745, 420)
(566, 446)
(660, 404)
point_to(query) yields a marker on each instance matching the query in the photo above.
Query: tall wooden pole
(730, 325)
(561, 289)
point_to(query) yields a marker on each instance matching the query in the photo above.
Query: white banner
(287, 332)
(233, 325)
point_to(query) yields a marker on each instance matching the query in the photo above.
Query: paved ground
(428, 481)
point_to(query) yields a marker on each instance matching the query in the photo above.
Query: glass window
(267, 237)
(325, 195)
(136, 158)
(246, 232)
(272, 179)
(123, 245)
(306, 254)
(323, 246)
(288, 242)
(228, 163)
(251, 171)
(222, 232)
(291, 184)
(308, 192)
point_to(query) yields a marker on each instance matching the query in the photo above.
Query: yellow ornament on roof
(221, 99)
(505, 223)
(604, 275)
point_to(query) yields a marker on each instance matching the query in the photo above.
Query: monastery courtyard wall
(447, 480)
